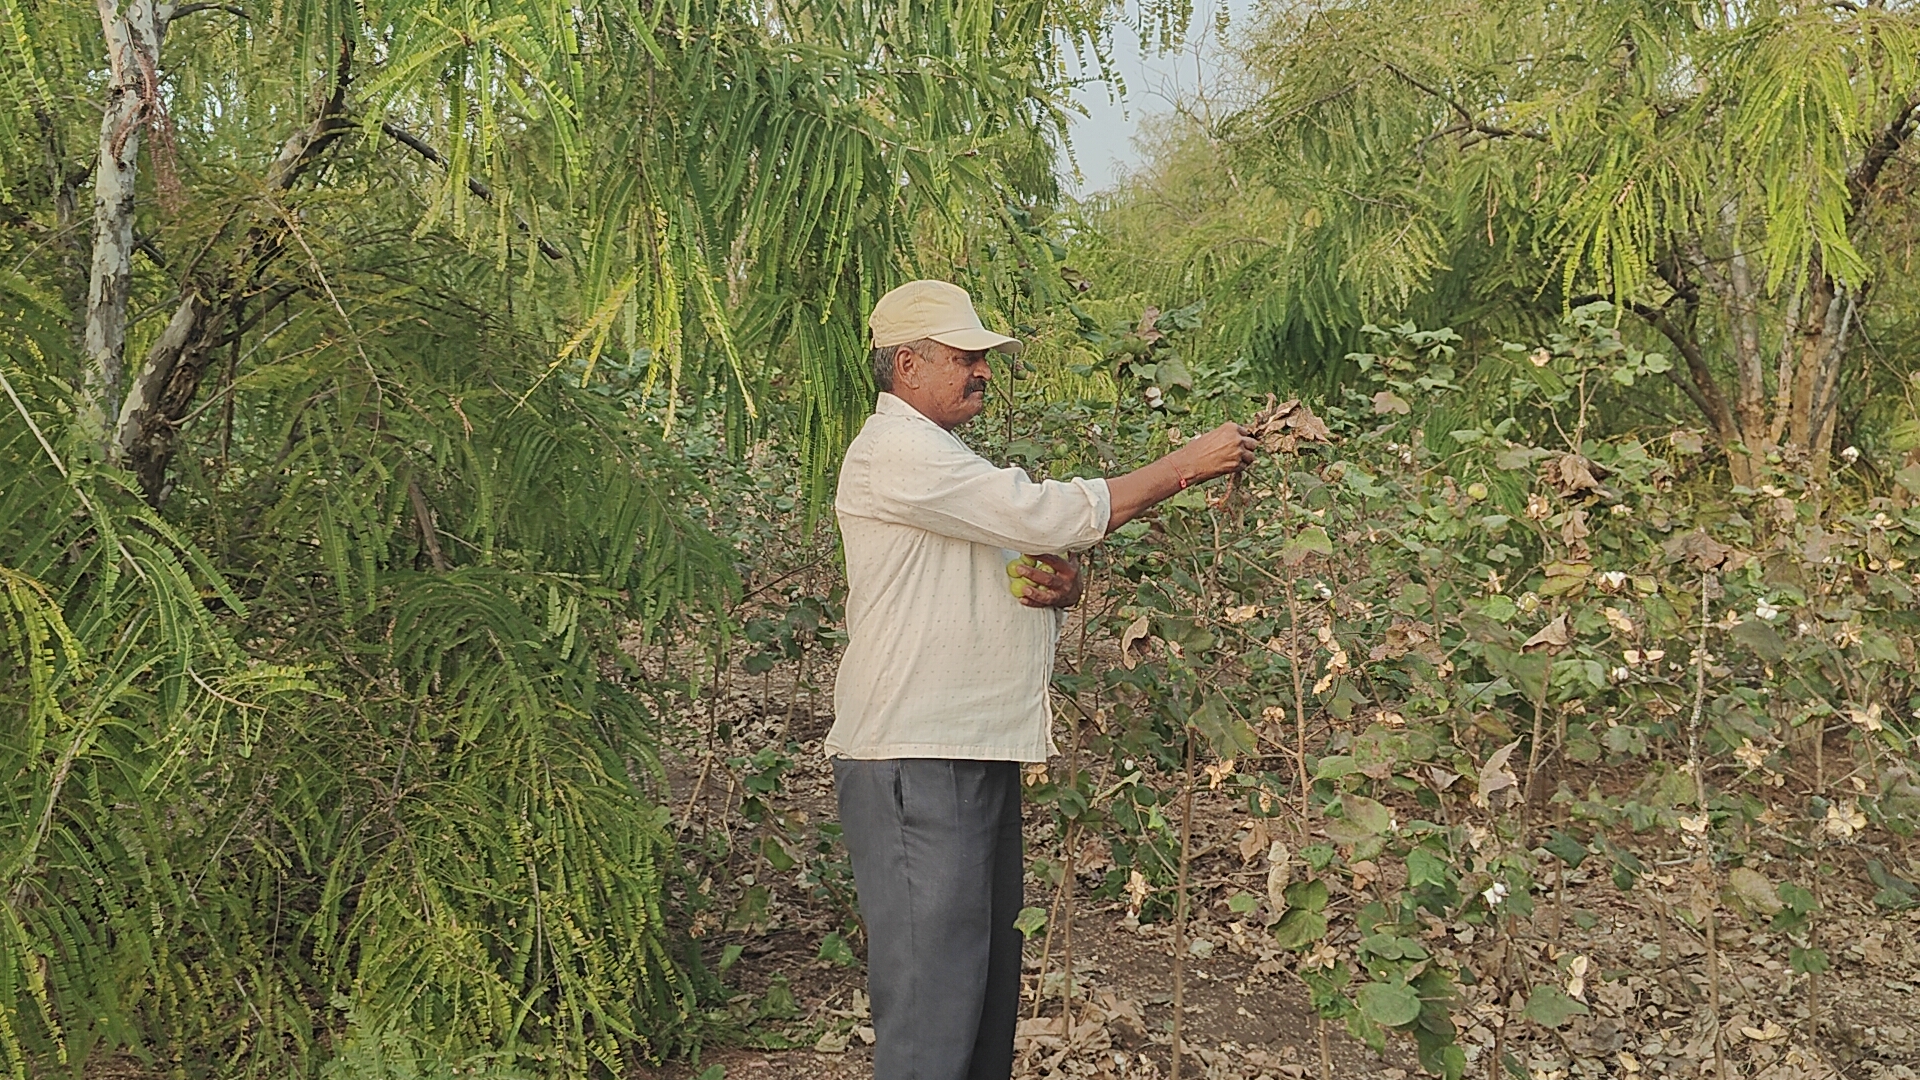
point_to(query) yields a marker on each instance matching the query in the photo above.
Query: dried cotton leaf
(1495, 776)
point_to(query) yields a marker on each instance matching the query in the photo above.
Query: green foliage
(340, 760)
(1722, 175)
(1452, 593)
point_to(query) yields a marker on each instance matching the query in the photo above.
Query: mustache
(976, 384)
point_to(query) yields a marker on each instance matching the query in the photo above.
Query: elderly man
(942, 692)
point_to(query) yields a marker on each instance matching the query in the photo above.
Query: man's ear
(906, 363)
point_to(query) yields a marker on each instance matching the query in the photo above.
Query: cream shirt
(942, 661)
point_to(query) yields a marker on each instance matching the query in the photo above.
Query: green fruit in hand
(1015, 583)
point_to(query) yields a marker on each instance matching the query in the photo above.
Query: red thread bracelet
(1183, 480)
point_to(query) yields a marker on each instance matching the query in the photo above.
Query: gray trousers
(937, 862)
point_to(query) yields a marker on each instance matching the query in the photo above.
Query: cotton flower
(1850, 455)
(1843, 820)
(1764, 611)
(1540, 357)
(1495, 893)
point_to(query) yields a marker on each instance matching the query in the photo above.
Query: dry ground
(1246, 1011)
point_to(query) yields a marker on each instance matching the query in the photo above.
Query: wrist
(1183, 477)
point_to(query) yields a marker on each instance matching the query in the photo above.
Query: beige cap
(933, 309)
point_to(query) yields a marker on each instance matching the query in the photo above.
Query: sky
(1103, 139)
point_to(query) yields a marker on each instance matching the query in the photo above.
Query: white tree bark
(134, 30)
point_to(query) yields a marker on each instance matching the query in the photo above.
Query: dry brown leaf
(1254, 842)
(1282, 427)
(1554, 635)
(1495, 776)
(1279, 876)
(1698, 550)
(1570, 475)
(1135, 634)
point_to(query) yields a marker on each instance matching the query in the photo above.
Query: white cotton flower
(1495, 893)
(1850, 455)
(1764, 611)
(1843, 820)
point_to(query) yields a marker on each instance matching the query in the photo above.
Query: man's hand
(1226, 449)
(1056, 583)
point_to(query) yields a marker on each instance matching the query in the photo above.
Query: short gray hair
(883, 360)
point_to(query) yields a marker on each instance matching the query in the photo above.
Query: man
(942, 693)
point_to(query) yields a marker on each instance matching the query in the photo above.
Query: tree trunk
(134, 30)
(142, 433)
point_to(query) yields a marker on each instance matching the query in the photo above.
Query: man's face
(946, 385)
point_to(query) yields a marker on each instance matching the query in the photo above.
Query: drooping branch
(1468, 122)
(480, 191)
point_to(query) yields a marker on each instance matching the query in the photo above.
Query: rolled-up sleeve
(933, 482)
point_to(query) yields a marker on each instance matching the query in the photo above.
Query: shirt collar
(889, 405)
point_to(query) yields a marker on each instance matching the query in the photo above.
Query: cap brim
(973, 339)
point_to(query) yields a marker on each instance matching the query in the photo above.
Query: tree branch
(480, 191)
(194, 9)
(1467, 121)
(163, 391)
(1892, 138)
(1699, 384)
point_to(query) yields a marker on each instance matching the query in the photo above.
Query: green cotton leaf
(1526, 670)
(1424, 867)
(1796, 899)
(1031, 921)
(1312, 540)
(1897, 894)
(1242, 902)
(1393, 947)
(1551, 1007)
(1299, 928)
(1333, 767)
(1307, 895)
(1229, 735)
(776, 854)
(835, 950)
(1366, 813)
(1171, 372)
(1807, 961)
(1347, 832)
(1389, 1004)
(1764, 640)
(1499, 608)
(1566, 848)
